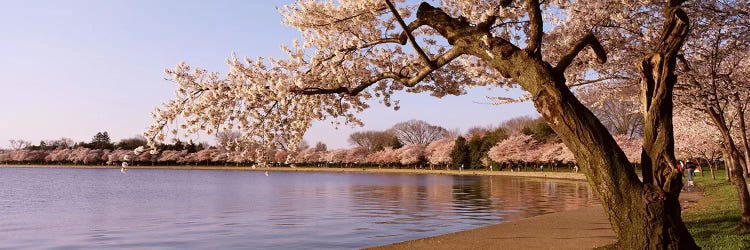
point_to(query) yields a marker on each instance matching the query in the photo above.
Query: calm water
(176, 209)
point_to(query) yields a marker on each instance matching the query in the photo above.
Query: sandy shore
(585, 228)
(532, 174)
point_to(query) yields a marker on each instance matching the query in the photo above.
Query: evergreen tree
(179, 146)
(395, 143)
(101, 141)
(191, 147)
(475, 152)
(132, 143)
(543, 132)
(460, 153)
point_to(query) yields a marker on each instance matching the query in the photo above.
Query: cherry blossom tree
(714, 80)
(631, 146)
(695, 137)
(167, 156)
(93, 156)
(5, 156)
(58, 155)
(411, 154)
(514, 148)
(204, 156)
(552, 152)
(439, 152)
(27, 156)
(355, 51)
(356, 155)
(220, 156)
(386, 156)
(336, 156)
(309, 156)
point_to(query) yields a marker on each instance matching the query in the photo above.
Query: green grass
(712, 223)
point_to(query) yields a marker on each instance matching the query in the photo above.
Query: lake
(44, 208)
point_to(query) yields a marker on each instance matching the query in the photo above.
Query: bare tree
(478, 131)
(303, 145)
(516, 125)
(225, 138)
(320, 147)
(16, 144)
(418, 132)
(62, 143)
(372, 140)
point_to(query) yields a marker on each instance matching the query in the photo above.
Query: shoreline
(583, 228)
(531, 174)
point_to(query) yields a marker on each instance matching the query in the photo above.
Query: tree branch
(588, 40)
(582, 83)
(537, 28)
(341, 20)
(675, 3)
(413, 41)
(487, 24)
(444, 59)
(505, 3)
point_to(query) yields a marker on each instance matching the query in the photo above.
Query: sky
(73, 68)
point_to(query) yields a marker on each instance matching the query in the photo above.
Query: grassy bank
(712, 222)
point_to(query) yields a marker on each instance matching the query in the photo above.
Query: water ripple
(175, 209)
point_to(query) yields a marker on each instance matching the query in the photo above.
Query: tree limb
(537, 28)
(588, 40)
(487, 24)
(413, 41)
(444, 59)
(586, 82)
(505, 3)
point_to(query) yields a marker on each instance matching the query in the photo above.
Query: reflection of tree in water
(422, 203)
(518, 197)
(409, 197)
(472, 199)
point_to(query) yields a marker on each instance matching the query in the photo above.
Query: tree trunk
(712, 165)
(743, 134)
(726, 166)
(742, 191)
(644, 215)
(733, 164)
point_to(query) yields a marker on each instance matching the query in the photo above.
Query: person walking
(691, 166)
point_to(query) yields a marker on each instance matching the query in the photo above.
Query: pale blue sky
(73, 68)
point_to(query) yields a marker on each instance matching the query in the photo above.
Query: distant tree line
(410, 144)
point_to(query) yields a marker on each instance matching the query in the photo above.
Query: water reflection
(168, 209)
